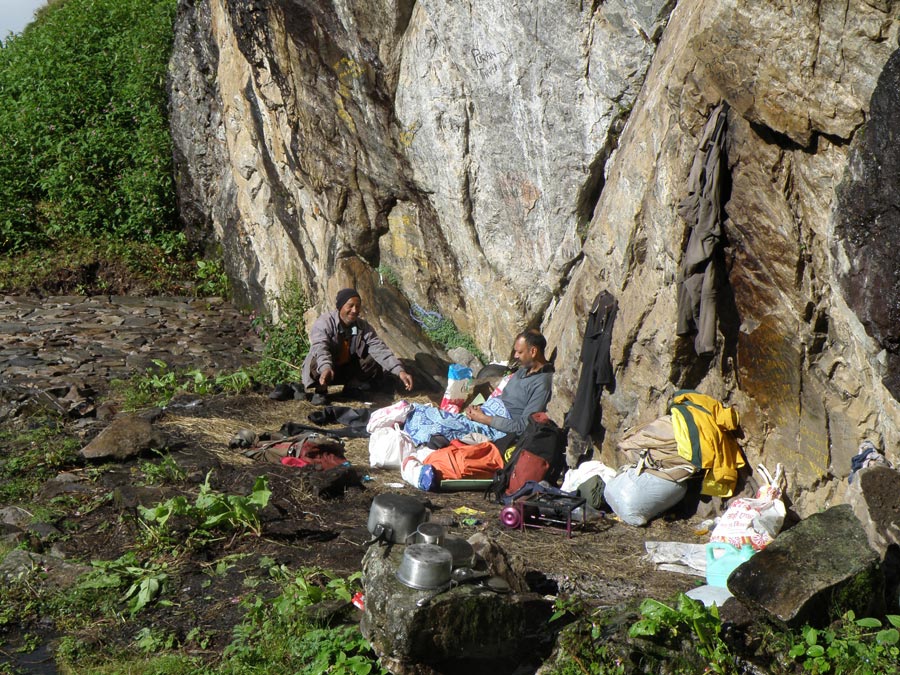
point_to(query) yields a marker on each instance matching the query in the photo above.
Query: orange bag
(458, 460)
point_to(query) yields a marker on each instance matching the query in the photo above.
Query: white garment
(575, 477)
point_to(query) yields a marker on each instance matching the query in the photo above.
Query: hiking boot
(319, 399)
(282, 392)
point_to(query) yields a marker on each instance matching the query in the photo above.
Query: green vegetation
(87, 198)
(387, 275)
(157, 386)
(87, 150)
(285, 341)
(443, 331)
(212, 279)
(853, 645)
(282, 632)
(32, 456)
(211, 510)
(143, 582)
(684, 636)
(687, 617)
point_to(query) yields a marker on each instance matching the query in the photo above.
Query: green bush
(86, 145)
(285, 341)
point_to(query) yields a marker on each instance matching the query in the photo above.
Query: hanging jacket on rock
(596, 368)
(702, 210)
(703, 432)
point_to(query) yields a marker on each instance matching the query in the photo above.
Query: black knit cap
(344, 295)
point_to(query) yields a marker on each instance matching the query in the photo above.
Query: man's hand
(326, 377)
(406, 379)
(474, 413)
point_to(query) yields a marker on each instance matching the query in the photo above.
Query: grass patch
(34, 455)
(103, 265)
(157, 386)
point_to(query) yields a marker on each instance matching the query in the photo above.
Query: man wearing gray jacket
(528, 390)
(345, 349)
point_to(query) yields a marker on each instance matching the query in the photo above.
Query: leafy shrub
(213, 509)
(443, 331)
(87, 148)
(285, 341)
(853, 645)
(280, 631)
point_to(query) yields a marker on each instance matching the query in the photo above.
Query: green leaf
(868, 622)
(894, 620)
(815, 651)
(887, 637)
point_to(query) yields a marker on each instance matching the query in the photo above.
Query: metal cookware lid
(428, 554)
(392, 502)
(461, 550)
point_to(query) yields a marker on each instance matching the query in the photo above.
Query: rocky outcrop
(817, 570)
(507, 161)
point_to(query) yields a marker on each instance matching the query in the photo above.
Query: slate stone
(813, 572)
(125, 437)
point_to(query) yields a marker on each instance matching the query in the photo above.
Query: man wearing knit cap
(345, 349)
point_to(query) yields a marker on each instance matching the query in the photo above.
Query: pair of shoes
(354, 393)
(282, 392)
(319, 399)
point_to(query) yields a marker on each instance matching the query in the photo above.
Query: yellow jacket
(703, 427)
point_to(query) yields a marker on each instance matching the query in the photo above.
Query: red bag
(528, 467)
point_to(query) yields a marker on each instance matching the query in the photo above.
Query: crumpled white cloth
(675, 556)
(575, 477)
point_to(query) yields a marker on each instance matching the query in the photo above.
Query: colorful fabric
(495, 407)
(426, 421)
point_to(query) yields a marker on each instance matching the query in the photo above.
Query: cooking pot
(461, 551)
(425, 566)
(430, 533)
(395, 518)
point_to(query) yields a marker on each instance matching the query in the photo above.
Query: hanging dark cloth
(703, 212)
(596, 368)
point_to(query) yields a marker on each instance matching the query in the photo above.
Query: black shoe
(319, 399)
(282, 392)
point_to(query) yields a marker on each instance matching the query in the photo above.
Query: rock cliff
(506, 161)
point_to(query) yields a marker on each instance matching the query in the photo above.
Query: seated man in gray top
(345, 349)
(528, 390)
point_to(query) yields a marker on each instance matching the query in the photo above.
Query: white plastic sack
(396, 413)
(754, 521)
(389, 446)
(637, 498)
(459, 384)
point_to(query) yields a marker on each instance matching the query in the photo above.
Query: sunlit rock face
(504, 162)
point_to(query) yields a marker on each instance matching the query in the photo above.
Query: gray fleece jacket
(523, 395)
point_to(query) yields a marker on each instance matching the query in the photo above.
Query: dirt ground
(603, 562)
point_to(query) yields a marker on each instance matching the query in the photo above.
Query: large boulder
(813, 572)
(467, 624)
